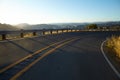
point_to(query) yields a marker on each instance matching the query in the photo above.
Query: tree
(92, 26)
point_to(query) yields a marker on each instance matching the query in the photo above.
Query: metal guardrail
(29, 33)
(23, 33)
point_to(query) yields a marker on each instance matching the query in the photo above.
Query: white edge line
(110, 64)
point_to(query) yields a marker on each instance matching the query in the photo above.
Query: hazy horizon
(58, 11)
(63, 22)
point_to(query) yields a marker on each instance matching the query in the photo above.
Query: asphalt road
(13, 50)
(79, 60)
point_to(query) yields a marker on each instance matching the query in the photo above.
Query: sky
(58, 11)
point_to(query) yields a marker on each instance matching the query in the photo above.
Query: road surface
(80, 59)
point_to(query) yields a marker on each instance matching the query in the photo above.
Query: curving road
(80, 59)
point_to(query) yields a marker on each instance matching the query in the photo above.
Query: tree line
(95, 26)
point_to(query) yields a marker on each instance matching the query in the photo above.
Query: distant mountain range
(67, 25)
(26, 26)
(37, 26)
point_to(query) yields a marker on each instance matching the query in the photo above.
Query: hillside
(38, 26)
(26, 26)
(67, 25)
(7, 27)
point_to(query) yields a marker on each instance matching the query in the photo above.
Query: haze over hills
(67, 25)
(26, 26)
(37, 26)
(7, 27)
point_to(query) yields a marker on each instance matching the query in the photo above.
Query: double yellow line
(41, 57)
(57, 44)
(28, 56)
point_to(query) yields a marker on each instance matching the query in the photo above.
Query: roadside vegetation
(17, 36)
(113, 44)
(102, 28)
(92, 26)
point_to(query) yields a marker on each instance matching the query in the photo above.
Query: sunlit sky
(58, 11)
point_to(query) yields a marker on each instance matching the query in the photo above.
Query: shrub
(113, 44)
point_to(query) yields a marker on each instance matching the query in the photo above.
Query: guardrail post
(61, 31)
(43, 33)
(21, 35)
(50, 31)
(3, 36)
(34, 34)
(57, 31)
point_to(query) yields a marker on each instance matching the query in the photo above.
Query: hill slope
(7, 27)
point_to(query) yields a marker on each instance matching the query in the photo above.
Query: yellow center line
(41, 57)
(30, 55)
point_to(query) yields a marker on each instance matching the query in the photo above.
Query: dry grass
(28, 34)
(17, 36)
(113, 44)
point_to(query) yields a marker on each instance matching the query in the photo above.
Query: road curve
(78, 60)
